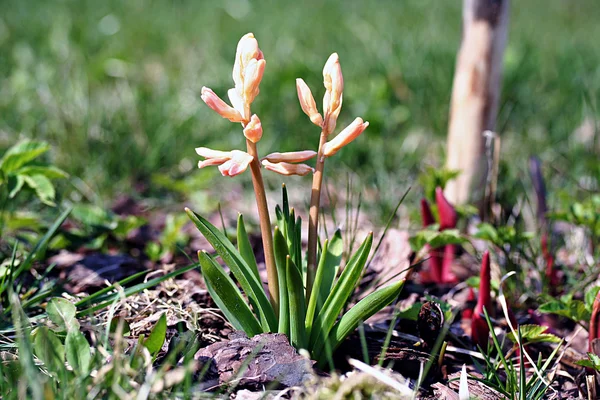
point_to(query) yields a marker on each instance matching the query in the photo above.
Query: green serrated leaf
(49, 171)
(44, 189)
(245, 247)
(251, 286)
(590, 296)
(297, 310)
(15, 184)
(534, 334)
(78, 352)
(20, 154)
(62, 313)
(227, 296)
(157, 337)
(574, 310)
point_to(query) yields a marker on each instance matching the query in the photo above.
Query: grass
(99, 81)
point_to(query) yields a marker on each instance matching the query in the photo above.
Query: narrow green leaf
(107, 299)
(297, 302)
(286, 202)
(333, 257)
(62, 313)
(245, 247)
(157, 337)
(38, 249)
(363, 310)
(242, 272)
(280, 250)
(315, 294)
(78, 352)
(48, 348)
(340, 294)
(227, 296)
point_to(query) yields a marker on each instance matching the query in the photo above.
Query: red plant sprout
(551, 272)
(594, 331)
(426, 214)
(448, 216)
(435, 260)
(467, 313)
(479, 328)
(448, 220)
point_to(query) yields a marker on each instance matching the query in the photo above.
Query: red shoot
(594, 324)
(479, 328)
(448, 216)
(468, 310)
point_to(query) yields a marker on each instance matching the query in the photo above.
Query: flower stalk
(265, 225)
(313, 220)
(332, 105)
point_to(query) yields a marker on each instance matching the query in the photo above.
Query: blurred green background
(114, 86)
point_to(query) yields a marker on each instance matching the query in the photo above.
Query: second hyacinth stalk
(305, 296)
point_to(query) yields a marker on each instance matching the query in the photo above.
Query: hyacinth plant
(305, 298)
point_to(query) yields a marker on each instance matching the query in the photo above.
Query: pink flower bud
(230, 163)
(247, 49)
(307, 102)
(253, 131)
(222, 108)
(237, 164)
(346, 136)
(252, 77)
(291, 157)
(334, 82)
(284, 168)
(238, 103)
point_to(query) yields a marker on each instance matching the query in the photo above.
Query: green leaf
(487, 232)
(281, 253)
(534, 334)
(362, 311)
(340, 294)
(430, 236)
(44, 189)
(15, 184)
(574, 310)
(94, 216)
(593, 362)
(62, 313)
(48, 348)
(157, 337)
(329, 263)
(251, 286)
(20, 154)
(297, 303)
(49, 171)
(78, 352)
(227, 296)
(590, 296)
(245, 247)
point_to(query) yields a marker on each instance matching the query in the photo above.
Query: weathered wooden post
(475, 94)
